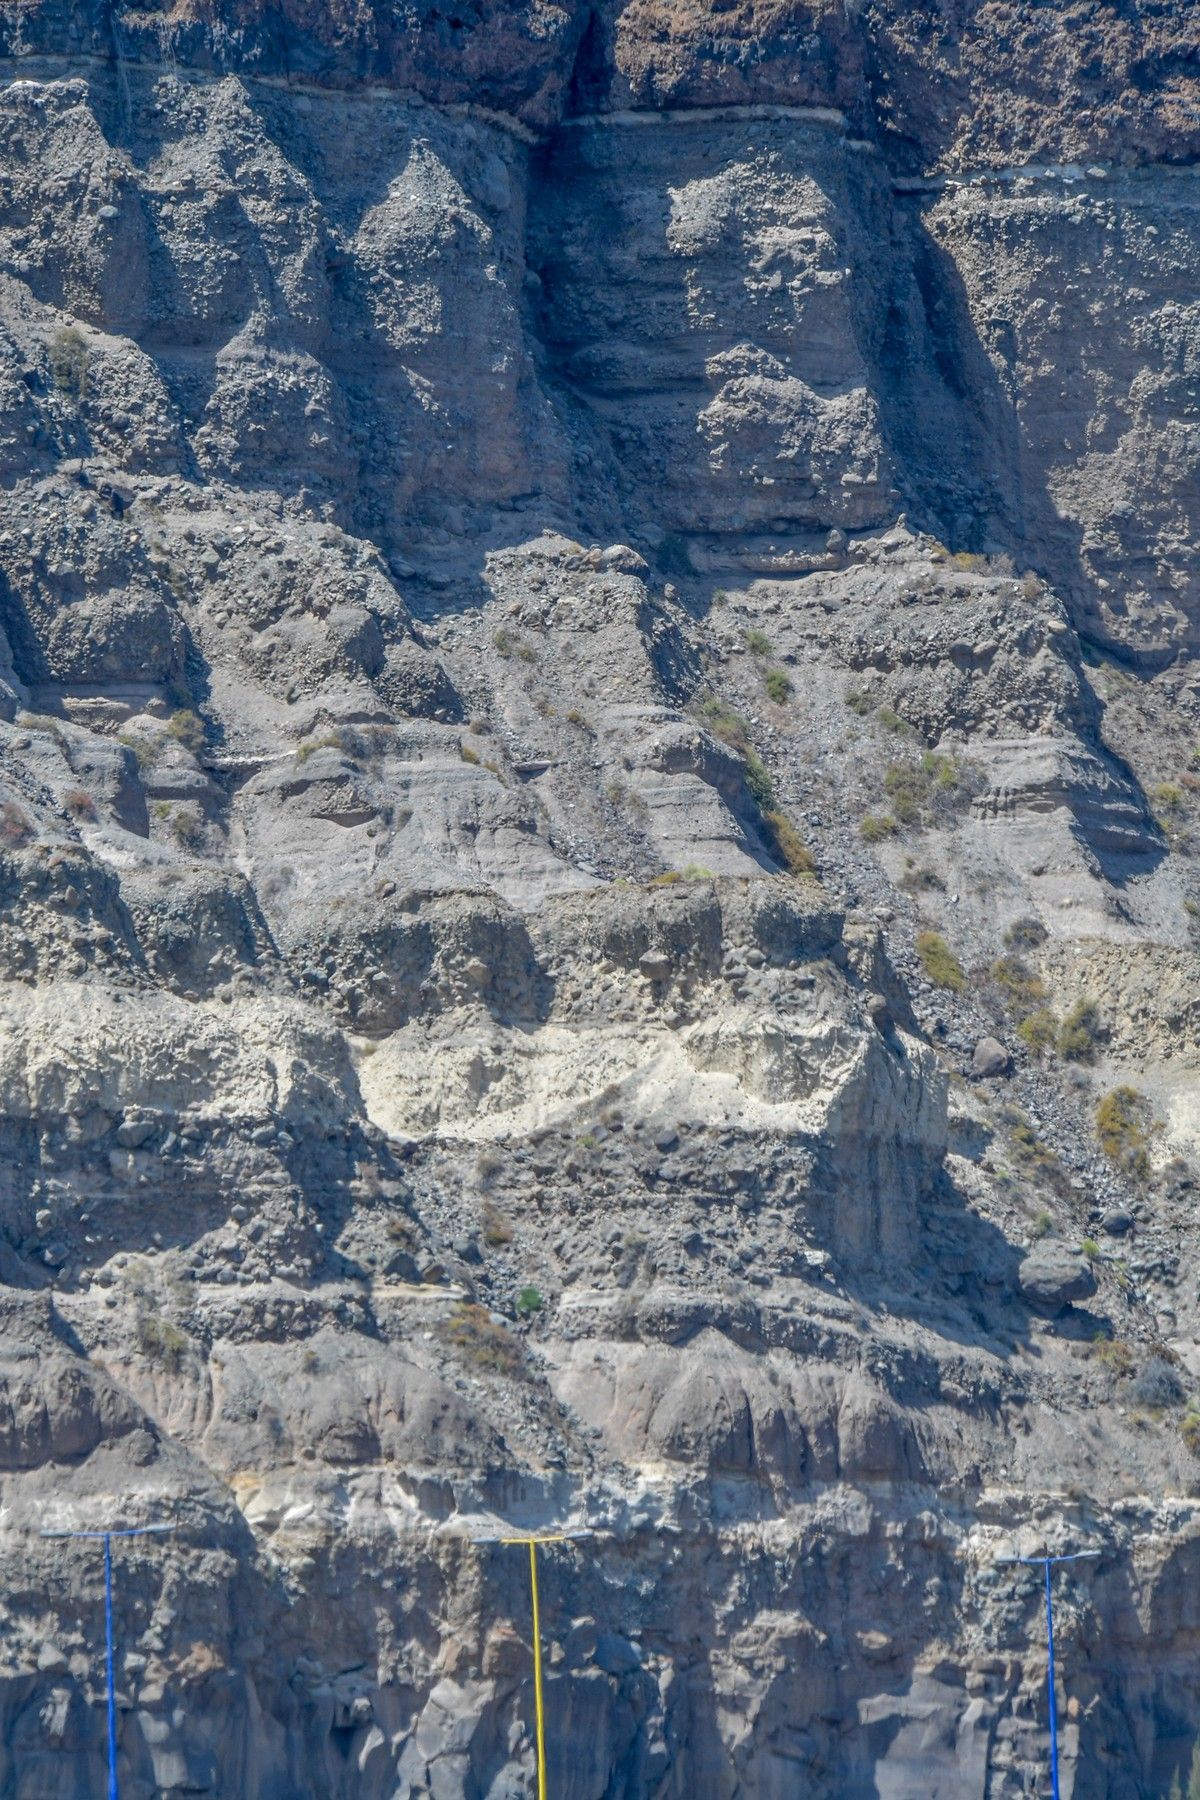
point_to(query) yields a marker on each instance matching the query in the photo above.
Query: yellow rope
(537, 1674)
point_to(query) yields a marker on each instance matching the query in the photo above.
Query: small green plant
(1079, 1033)
(725, 723)
(697, 872)
(778, 686)
(468, 755)
(787, 843)
(575, 717)
(939, 962)
(504, 641)
(1038, 1030)
(1113, 1354)
(1090, 1248)
(529, 1301)
(187, 728)
(758, 643)
(875, 827)
(527, 654)
(859, 701)
(758, 780)
(69, 362)
(1021, 988)
(187, 826)
(1189, 1431)
(1123, 1128)
(1043, 1224)
(473, 1331)
(968, 562)
(890, 719)
(668, 878)
(161, 1342)
(1167, 798)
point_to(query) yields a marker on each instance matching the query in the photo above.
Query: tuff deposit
(599, 894)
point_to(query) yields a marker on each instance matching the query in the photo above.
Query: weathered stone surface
(1052, 1276)
(558, 568)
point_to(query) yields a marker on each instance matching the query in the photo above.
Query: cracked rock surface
(599, 895)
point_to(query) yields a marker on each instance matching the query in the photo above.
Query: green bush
(69, 362)
(790, 847)
(161, 1342)
(1079, 1033)
(1123, 1127)
(778, 686)
(528, 1301)
(1038, 1030)
(758, 643)
(939, 962)
(725, 723)
(876, 827)
(758, 780)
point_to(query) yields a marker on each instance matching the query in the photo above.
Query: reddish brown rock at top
(946, 84)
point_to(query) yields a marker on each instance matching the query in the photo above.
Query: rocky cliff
(599, 893)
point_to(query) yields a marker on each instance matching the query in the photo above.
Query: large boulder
(1052, 1276)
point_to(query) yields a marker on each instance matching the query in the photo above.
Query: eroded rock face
(555, 739)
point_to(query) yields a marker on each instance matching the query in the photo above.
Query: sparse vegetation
(1038, 1030)
(1090, 1248)
(1189, 1431)
(504, 641)
(758, 643)
(725, 723)
(187, 728)
(1167, 798)
(70, 361)
(667, 878)
(1043, 1224)
(968, 562)
(79, 804)
(1113, 1354)
(778, 686)
(1079, 1033)
(468, 755)
(15, 825)
(859, 701)
(918, 878)
(890, 719)
(1157, 1386)
(1026, 934)
(697, 872)
(758, 780)
(473, 1331)
(161, 1342)
(939, 962)
(497, 1232)
(529, 1301)
(787, 843)
(1123, 1127)
(875, 827)
(1034, 1158)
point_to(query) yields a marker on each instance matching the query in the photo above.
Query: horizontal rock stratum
(599, 809)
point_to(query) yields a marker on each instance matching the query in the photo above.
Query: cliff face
(598, 892)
